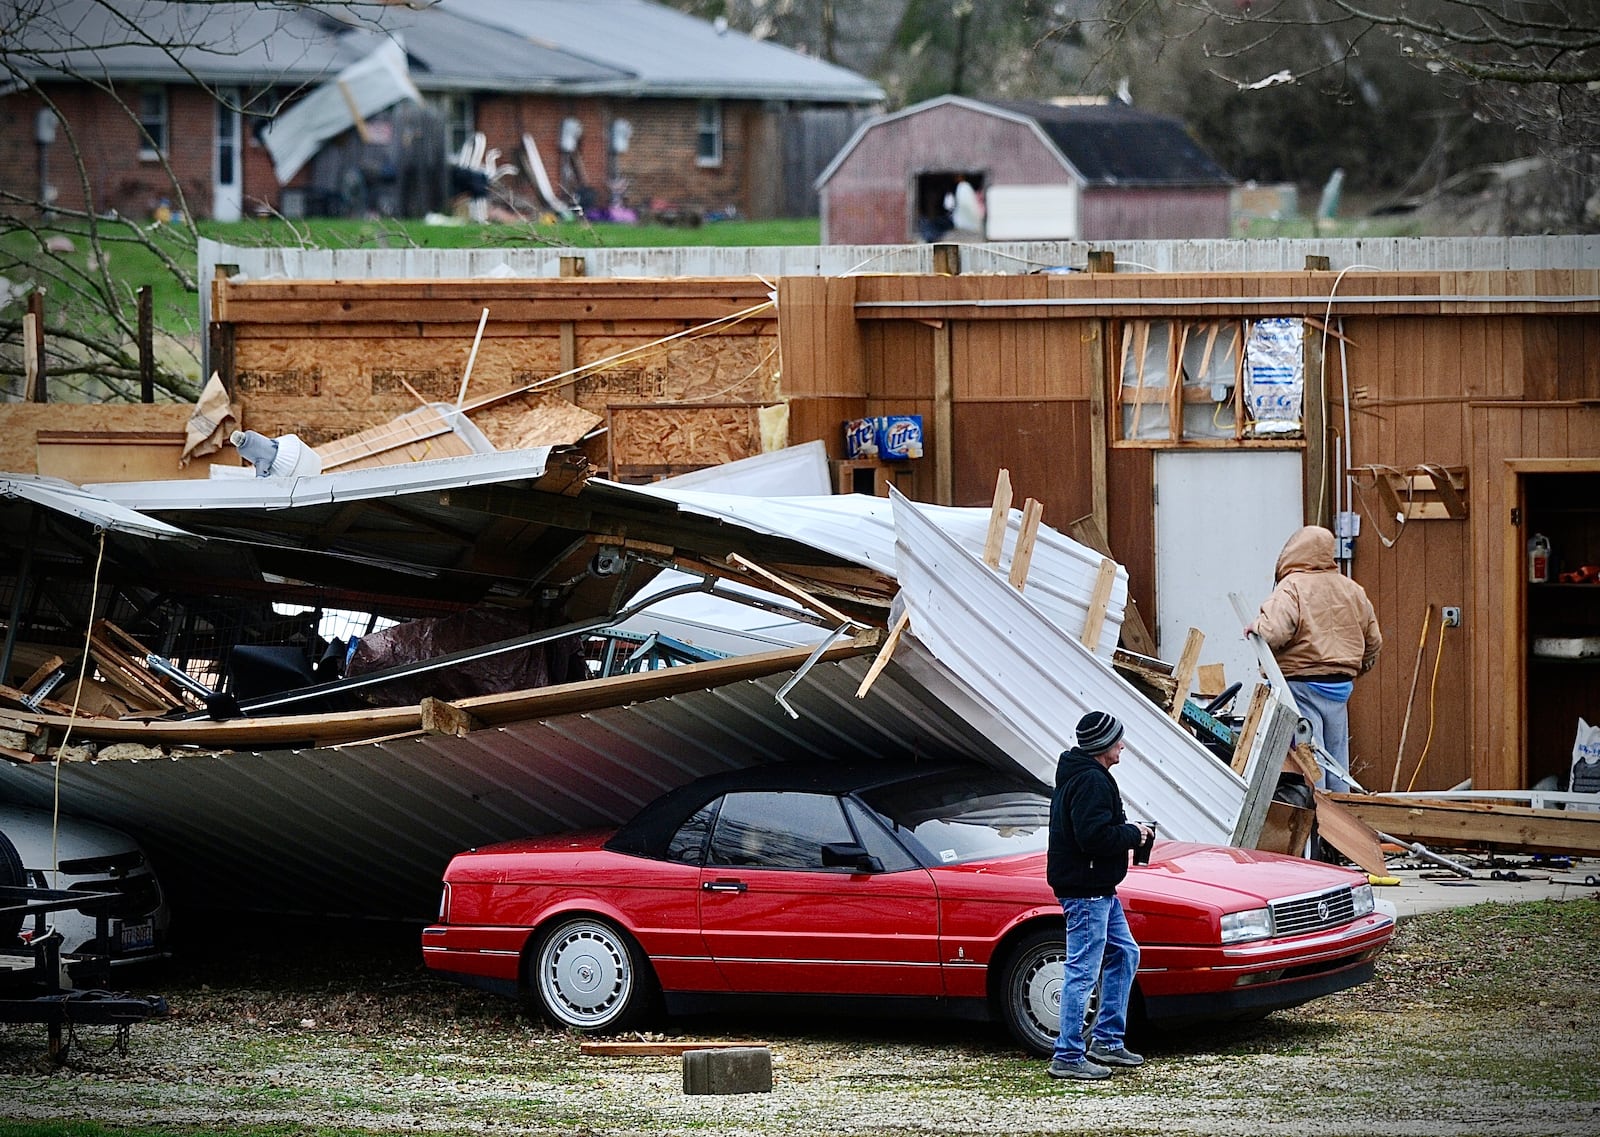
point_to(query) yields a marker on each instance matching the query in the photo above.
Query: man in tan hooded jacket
(1323, 632)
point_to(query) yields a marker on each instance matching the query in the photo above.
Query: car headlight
(1361, 899)
(1240, 927)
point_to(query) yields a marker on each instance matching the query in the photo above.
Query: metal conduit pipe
(1202, 301)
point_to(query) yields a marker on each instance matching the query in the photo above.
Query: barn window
(1209, 380)
(708, 138)
(152, 113)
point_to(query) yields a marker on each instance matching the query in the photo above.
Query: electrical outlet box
(1452, 617)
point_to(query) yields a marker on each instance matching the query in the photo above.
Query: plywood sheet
(534, 419)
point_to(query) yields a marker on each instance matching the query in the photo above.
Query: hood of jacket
(1309, 550)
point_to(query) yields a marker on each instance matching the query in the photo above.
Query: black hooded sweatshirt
(1090, 837)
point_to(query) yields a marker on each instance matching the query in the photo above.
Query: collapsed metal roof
(357, 813)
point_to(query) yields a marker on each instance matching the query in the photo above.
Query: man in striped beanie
(1090, 842)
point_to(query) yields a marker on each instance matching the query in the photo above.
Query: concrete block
(733, 1070)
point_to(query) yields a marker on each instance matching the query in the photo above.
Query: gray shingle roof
(1115, 144)
(626, 47)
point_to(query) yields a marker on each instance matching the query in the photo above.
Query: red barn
(1046, 171)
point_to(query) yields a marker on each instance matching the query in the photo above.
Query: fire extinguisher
(1539, 559)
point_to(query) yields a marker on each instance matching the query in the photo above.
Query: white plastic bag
(1586, 764)
(1274, 375)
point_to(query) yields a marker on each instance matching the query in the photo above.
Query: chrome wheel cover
(585, 974)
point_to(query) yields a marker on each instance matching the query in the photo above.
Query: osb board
(721, 368)
(535, 419)
(647, 437)
(21, 423)
(326, 388)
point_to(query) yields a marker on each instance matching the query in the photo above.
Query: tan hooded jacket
(1318, 622)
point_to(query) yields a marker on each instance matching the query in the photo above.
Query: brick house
(615, 97)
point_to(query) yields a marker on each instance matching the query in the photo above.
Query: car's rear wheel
(590, 974)
(1030, 992)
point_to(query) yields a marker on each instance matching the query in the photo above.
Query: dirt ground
(1480, 1022)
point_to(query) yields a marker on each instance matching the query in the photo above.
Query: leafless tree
(74, 254)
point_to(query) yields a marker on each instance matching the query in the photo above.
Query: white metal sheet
(1039, 680)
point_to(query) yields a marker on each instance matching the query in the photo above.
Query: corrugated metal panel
(1039, 681)
(1061, 576)
(367, 829)
(87, 506)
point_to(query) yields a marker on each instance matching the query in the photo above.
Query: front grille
(1301, 914)
(137, 897)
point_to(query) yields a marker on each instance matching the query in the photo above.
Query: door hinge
(1516, 516)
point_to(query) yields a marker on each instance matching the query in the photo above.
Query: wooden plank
(41, 673)
(1088, 531)
(999, 516)
(1099, 598)
(441, 717)
(1095, 367)
(1478, 824)
(1269, 745)
(1183, 674)
(1022, 555)
(1211, 679)
(1287, 829)
(661, 1049)
(1346, 831)
(1242, 745)
(804, 598)
(943, 440)
(884, 653)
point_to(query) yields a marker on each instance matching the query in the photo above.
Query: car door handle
(724, 886)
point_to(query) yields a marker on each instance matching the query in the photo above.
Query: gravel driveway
(1481, 1022)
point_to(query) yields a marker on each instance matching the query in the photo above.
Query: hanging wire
(77, 698)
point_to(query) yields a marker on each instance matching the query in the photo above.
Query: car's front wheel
(591, 975)
(1030, 992)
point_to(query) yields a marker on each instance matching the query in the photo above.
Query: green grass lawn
(336, 234)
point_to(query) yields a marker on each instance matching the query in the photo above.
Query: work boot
(1121, 1056)
(1082, 1070)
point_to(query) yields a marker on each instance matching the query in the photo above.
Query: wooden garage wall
(688, 378)
(1456, 384)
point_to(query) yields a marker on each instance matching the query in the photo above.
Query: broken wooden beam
(1479, 825)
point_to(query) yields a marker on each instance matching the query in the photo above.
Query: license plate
(138, 937)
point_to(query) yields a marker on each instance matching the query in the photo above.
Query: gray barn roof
(1108, 144)
(1115, 144)
(616, 47)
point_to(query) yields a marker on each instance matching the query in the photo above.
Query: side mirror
(850, 855)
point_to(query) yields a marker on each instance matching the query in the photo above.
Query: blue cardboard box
(893, 437)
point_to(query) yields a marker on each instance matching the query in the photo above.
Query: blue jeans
(1097, 933)
(1330, 726)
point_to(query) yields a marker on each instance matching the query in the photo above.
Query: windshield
(966, 817)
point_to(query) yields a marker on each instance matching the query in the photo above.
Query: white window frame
(708, 129)
(459, 114)
(152, 143)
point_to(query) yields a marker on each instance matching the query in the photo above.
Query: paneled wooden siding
(1464, 369)
(1124, 213)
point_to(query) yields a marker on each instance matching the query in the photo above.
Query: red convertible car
(906, 888)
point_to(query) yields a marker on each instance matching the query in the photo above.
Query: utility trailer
(34, 987)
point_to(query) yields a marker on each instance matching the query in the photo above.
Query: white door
(227, 180)
(1222, 517)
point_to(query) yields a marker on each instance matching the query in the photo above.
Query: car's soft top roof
(653, 826)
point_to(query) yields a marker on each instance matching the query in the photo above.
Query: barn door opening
(934, 214)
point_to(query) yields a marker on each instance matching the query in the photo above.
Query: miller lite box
(893, 437)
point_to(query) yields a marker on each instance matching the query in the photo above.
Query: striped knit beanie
(1098, 732)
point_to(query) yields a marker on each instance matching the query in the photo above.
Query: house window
(1210, 380)
(708, 140)
(152, 111)
(456, 112)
